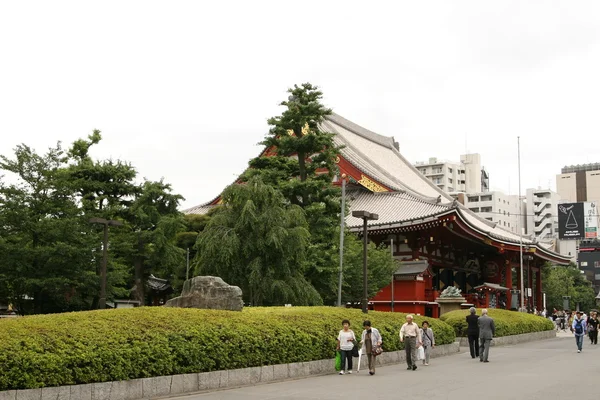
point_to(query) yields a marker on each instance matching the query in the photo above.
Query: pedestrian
(371, 344)
(487, 329)
(592, 324)
(428, 341)
(345, 344)
(410, 335)
(579, 328)
(473, 332)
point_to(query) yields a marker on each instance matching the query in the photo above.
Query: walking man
(487, 329)
(410, 335)
(592, 324)
(473, 332)
(579, 328)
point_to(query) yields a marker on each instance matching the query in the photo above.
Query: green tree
(302, 168)
(258, 241)
(559, 281)
(45, 245)
(380, 266)
(154, 221)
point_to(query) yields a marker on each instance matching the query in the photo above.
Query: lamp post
(365, 216)
(106, 223)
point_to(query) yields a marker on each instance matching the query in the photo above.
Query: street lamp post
(365, 216)
(106, 223)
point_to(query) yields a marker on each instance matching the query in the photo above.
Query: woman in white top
(345, 343)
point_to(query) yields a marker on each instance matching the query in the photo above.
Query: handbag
(338, 360)
(420, 353)
(377, 350)
(355, 350)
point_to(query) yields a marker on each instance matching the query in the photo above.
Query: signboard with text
(577, 221)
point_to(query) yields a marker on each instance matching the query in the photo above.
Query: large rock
(208, 292)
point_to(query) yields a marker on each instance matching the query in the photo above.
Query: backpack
(579, 327)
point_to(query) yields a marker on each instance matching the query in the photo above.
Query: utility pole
(342, 227)
(520, 227)
(392, 250)
(365, 216)
(104, 267)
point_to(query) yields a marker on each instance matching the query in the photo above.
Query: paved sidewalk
(532, 371)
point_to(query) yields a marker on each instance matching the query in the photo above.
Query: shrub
(108, 345)
(507, 322)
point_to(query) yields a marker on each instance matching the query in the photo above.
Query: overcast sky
(182, 90)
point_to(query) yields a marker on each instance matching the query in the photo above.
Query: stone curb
(514, 339)
(164, 386)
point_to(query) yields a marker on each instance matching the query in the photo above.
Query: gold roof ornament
(305, 130)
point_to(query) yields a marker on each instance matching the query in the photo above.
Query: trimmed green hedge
(507, 322)
(100, 346)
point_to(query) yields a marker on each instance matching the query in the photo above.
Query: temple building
(438, 241)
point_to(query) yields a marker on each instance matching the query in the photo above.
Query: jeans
(474, 345)
(346, 355)
(579, 341)
(410, 347)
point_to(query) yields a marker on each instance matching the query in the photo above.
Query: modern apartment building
(466, 176)
(542, 218)
(496, 207)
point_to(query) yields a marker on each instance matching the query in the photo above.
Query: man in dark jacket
(473, 332)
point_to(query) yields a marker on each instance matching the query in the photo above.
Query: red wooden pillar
(521, 295)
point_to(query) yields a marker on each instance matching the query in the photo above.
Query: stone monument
(208, 292)
(450, 299)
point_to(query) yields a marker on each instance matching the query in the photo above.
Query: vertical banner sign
(571, 221)
(590, 211)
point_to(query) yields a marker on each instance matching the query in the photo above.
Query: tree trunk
(139, 272)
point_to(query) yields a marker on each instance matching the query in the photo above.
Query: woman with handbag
(371, 345)
(428, 341)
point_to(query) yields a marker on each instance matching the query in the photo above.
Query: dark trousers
(410, 347)
(474, 345)
(346, 355)
(484, 349)
(594, 337)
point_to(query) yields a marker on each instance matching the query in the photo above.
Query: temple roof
(491, 286)
(396, 191)
(412, 268)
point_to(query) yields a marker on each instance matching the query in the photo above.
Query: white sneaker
(349, 372)
(579, 351)
(341, 372)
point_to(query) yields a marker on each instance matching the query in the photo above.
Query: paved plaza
(548, 369)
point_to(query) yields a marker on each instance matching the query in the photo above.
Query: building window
(473, 199)
(489, 219)
(486, 209)
(509, 224)
(449, 180)
(486, 198)
(474, 209)
(449, 170)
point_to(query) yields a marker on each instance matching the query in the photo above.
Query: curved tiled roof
(414, 197)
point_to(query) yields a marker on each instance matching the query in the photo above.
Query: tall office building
(579, 183)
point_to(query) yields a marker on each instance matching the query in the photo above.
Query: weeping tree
(301, 165)
(258, 240)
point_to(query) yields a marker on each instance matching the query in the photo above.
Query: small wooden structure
(410, 292)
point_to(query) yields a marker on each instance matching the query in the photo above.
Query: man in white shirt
(410, 335)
